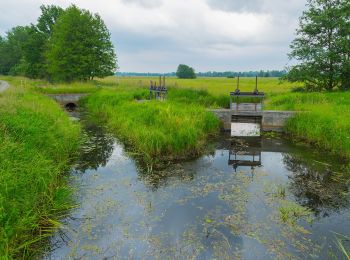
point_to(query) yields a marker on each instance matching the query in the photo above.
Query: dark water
(250, 199)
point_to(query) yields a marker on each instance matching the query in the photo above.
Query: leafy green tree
(33, 62)
(80, 47)
(12, 48)
(321, 45)
(185, 72)
(49, 16)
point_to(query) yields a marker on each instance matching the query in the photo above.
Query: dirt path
(3, 85)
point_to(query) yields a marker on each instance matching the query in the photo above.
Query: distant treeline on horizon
(226, 74)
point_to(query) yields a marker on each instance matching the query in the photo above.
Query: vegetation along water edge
(38, 142)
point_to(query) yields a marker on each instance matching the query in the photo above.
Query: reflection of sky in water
(201, 208)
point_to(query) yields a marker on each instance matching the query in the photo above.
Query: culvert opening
(71, 106)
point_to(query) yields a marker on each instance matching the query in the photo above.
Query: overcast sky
(157, 35)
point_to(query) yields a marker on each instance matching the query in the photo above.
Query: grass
(214, 86)
(325, 122)
(37, 140)
(156, 131)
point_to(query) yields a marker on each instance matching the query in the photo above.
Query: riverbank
(156, 131)
(324, 123)
(37, 141)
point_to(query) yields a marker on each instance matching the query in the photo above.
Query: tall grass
(157, 131)
(325, 121)
(37, 139)
(215, 86)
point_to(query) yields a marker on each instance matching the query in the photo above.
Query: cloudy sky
(157, 35)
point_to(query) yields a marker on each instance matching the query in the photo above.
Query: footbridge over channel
(68, 101)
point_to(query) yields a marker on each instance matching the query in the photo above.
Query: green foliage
(322, 46)
(37, 139)
(185, 72)
(12, 49)
(157, 131)
(66, 45)
(48, 18)
(325, 124)
(80, 47)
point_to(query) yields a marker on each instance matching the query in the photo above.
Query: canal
(266, 198)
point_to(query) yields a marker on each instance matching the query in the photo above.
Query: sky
(208, 35)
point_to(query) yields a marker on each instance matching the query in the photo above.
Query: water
(287, 202)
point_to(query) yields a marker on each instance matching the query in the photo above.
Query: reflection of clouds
(317, 188)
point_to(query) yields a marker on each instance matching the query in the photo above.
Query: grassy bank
(157, 131)
(37, 139)
(325, 123)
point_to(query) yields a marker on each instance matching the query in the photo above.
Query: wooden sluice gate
(246, 111)
(159, 92)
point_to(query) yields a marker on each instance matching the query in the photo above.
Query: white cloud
(156, 35)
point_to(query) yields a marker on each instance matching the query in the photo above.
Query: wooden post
(256, 85)
(237, 89)
(160, 81)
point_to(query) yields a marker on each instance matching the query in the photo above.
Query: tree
(185, 72)
(80, 47)
(33, 62)
(11, 49)
(322, 45)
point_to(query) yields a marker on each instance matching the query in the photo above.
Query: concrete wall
(65, 99)
(272, 120)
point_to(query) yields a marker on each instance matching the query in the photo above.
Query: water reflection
(245, 151)
(97, 146)
(224, 205)
(316, 186)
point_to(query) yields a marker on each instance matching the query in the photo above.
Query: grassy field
(325, 122)
(37, 140)
(214, 86)
(156, 131)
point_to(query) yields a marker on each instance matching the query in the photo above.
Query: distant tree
(185, 72)
(80, 47)
(322, 46)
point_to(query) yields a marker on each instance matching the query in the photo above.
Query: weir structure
(246, 111)
(159, 92)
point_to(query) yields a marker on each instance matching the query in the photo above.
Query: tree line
(64, 45)
(216, 74)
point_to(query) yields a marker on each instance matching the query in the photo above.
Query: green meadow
(39, 140)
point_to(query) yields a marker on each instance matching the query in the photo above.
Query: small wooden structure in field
(159, 92)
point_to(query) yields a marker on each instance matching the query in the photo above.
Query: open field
(325, 125)
(37, 142)
(215, 86)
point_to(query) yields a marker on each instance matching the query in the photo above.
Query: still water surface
(249, 199)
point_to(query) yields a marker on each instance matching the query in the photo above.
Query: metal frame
(160, 92)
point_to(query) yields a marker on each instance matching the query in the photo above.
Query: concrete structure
(4, 85)
(271, 120)
(69, 101)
